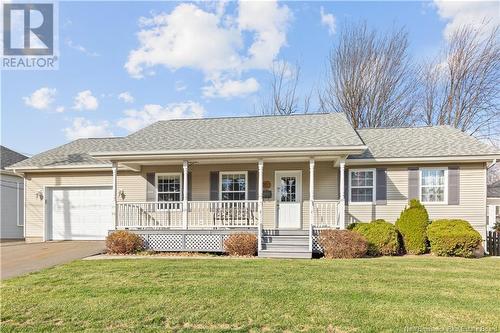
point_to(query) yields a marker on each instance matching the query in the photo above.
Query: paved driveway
(19, 258)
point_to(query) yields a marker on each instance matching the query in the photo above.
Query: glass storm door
(289, 199)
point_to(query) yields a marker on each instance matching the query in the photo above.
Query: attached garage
(79, 213)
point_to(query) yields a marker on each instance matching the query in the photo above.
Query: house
(187, 184)
(493, 202)
(11, 196)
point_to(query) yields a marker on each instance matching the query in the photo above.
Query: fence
(493, 243)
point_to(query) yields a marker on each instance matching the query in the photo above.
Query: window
(433, 185)
(169, 187)
(233, 185)
(361, 185)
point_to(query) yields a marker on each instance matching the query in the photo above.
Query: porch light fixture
(39, 194)
(121, 194)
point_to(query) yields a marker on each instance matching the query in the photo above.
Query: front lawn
(362, 295)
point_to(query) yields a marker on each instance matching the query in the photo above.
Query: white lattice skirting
(187, 240)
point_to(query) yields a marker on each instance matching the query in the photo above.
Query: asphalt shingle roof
(268, 132)
(296, 131)
(9, 157)
(433, 141)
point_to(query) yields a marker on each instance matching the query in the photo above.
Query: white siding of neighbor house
(472, 191)
(12, 198)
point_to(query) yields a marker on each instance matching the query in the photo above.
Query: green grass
(193, 295)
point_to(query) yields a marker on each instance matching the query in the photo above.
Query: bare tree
(283, 98)
(371, 78)
(461, 88)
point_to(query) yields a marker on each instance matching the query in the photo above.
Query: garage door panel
(81, 213)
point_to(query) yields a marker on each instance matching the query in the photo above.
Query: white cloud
(41, 99)
(84, 100)
(475, 13)
(328, 20)
(81, 49)
(137, 119)
(211, 40)
(60, 109)
(231, 88)
(126, 97)
(180, 86)
(84, 128)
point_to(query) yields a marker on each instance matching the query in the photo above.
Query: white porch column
(260, 199)
(342, 195)
(311, 191)
(185, 170)
(114, 168)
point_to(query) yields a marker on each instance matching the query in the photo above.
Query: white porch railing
(200, 214)
(493, 215)
(149, 215)
(327, 214)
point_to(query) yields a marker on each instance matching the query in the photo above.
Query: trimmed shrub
(496, 226)
(453, 238)
(342, 244)
(124, 242)
(382, 237)
(354, 225)
(412, 224)
(242, 244)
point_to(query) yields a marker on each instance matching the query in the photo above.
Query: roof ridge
(253, 116)
(406, 127)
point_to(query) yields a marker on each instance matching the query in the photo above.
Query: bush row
(412, 233)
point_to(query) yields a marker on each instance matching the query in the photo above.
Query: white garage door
(80, 213)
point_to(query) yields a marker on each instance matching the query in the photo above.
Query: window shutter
(252, 185)
(413, 183)
(381, 190)
(453, 185)
(214, 185)
(190, 187)
(150, 187)
(346, 186)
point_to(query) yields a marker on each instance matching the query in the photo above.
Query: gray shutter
(252, 185)
(346, 186)
(381, 192)
(190, 187)
(214, 185)
(150, 186)
(413, 183)
(453, 185)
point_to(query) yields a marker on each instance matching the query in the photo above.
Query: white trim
(233, 173)
(179, 174)
(24, 208)
(445, 201)
(374, 187)
(423, 159)
(229, 150)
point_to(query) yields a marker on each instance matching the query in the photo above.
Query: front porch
(196, 205)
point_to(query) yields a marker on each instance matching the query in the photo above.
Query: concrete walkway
(18, 258)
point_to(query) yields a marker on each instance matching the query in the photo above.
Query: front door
(289, 199)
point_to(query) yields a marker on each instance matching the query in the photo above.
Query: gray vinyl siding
(12, 197)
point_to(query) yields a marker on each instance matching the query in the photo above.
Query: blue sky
(124, 65)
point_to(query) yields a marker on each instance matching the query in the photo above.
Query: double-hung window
(233, 185)
(362, 186)
(433, 184)
(169, 188)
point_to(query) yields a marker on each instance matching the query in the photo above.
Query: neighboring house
(186, 184)
(493, 202)
(11, 196)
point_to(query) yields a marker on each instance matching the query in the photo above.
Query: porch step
(285, 243)
(298, 240)
(286, 247)
(289, 255)
(285, 232)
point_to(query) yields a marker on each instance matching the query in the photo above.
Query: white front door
(80, 213)
(289, 199)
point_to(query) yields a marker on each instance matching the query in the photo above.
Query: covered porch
(203, 201)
